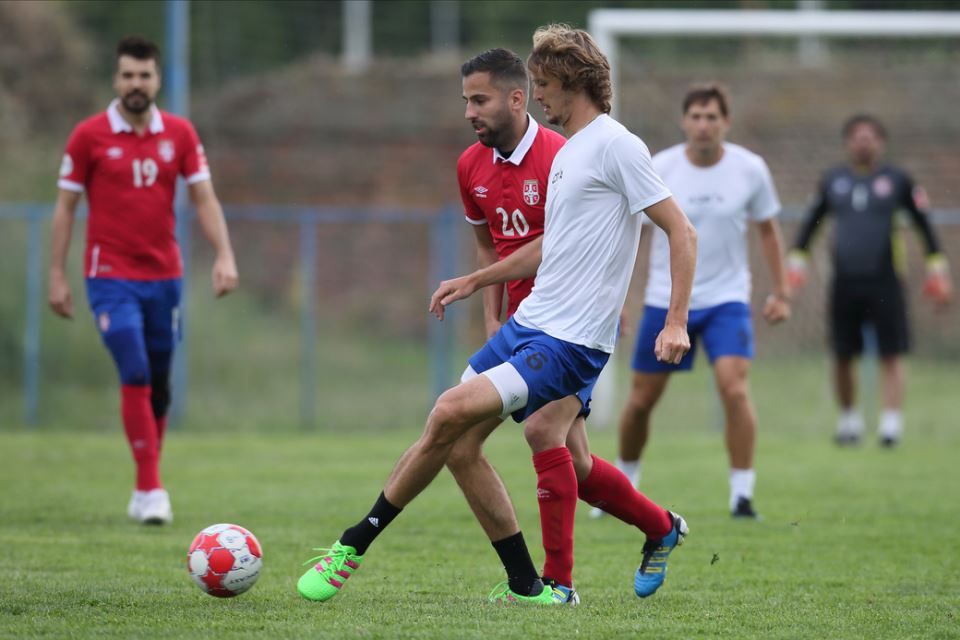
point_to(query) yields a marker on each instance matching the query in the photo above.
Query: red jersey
(130, 182)
(509, 194)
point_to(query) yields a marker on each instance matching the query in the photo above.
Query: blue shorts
(726, 329)
(139, 322)
(552, 369)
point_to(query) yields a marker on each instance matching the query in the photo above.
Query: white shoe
(849, 429)
(596, 513)
(136, 504)
(155, 508)
(891, 427)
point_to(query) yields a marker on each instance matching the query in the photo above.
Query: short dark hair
(140, 48)
(506, 69)
(704, 93)
(858, 119)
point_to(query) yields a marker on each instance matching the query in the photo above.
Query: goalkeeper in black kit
(864, 197)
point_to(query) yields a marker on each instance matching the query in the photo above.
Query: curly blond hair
(573, 57)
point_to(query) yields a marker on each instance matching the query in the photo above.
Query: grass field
(855, 543)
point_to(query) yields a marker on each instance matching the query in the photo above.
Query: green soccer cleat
(502, 593)
(329, 571)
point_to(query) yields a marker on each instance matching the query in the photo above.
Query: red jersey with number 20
(509, 194)
(130, 182)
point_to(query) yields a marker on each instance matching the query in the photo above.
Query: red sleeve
(75, 165)
(193, 164)
(472, 212)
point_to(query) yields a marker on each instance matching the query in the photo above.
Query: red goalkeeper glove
(937, 286)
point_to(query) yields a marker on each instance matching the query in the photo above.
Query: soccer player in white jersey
(547, 357)
(723, 188)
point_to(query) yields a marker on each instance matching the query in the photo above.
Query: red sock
(557, 495)
(606, 487)
(141, 429)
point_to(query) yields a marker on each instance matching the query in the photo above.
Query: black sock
(362, 534)
(521, 573)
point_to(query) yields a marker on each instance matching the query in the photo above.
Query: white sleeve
(764, 203)
(628, 169)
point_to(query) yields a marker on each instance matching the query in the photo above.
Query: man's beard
(136, 102)
(497, 132)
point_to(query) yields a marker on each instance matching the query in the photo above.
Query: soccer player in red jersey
(503, 184)
(127, 160)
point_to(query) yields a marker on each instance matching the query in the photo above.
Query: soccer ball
(224, 560)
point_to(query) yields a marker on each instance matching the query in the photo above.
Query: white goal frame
(607, 26)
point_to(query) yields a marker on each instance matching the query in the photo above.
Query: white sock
(741, 485)
(631, 469)
(850, 422)
(891, 424)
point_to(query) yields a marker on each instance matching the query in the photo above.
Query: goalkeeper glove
(797, 269)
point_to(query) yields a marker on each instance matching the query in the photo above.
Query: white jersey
(600, 179)
(720, 201)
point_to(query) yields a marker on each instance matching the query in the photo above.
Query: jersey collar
(525, 143)
(119, 125)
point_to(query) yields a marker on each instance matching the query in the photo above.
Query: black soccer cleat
(847, 439)
(744, 509)
(889, 442)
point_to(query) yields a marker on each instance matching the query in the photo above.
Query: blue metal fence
(444, 263)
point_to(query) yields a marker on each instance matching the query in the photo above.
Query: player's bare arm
(520, 264)
(777, 306)
(210, 214)
(59, 295)
(673, 341)
(492, 295)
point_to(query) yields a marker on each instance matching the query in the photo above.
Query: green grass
(855, 543)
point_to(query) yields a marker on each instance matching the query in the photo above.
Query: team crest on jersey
(531, 192)
(882, 186)
(103, 321)
(165, 150)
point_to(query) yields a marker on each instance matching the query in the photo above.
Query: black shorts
(855, 303)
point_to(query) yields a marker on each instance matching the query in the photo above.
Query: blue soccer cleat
(653, 567)
(561, 593)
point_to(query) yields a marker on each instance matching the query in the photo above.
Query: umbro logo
(374, 521)
(480, 191)
(115, 153)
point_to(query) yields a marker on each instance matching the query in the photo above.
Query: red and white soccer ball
(225, 560)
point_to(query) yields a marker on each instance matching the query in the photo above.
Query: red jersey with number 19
(509, 194)
(130, 182)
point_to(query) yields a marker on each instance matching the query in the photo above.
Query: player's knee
(465, 453)
(639, 405)
(160, 397)
(543, 434)
(734, 392)
(446, 423)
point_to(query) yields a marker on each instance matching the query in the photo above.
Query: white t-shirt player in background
(722, 188)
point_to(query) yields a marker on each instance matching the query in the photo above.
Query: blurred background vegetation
(285, 124)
